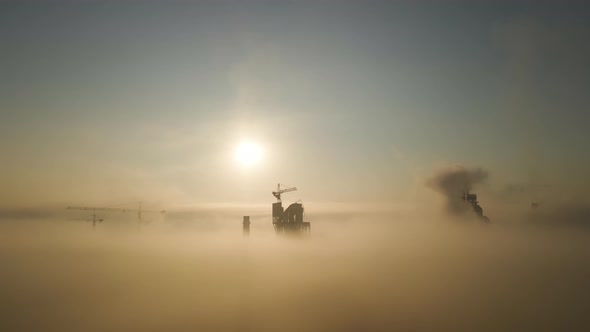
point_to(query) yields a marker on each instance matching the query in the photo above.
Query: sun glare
(248, 153)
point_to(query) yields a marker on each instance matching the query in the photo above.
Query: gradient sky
(352, 101)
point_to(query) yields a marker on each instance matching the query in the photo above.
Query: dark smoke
(452, 182)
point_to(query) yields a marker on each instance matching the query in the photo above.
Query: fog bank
(378, 274)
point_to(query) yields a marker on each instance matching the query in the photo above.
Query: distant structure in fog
(94, 220)
(139, 211)
(472, 199)
(291, 219)
(246, 225)
(537, 194)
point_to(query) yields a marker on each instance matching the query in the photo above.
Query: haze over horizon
(439, 149)
(109, 101)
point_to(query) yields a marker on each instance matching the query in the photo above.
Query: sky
(117, 101)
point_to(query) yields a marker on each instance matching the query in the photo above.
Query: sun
(248, 153)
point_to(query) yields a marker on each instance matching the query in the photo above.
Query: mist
(378, 273)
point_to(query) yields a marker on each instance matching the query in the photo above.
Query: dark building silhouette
(291, 219)
(472, 199)
(246, 225)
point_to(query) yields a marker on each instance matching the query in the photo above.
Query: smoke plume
(452, 182)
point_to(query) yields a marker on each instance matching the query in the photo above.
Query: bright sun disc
(248, 153)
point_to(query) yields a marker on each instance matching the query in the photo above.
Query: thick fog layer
(378, 273)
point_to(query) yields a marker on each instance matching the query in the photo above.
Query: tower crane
(290, 219)
(280, 191)
(139, 211)
(93, 219)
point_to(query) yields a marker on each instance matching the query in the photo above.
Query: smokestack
(246, 225)
(453, 183)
